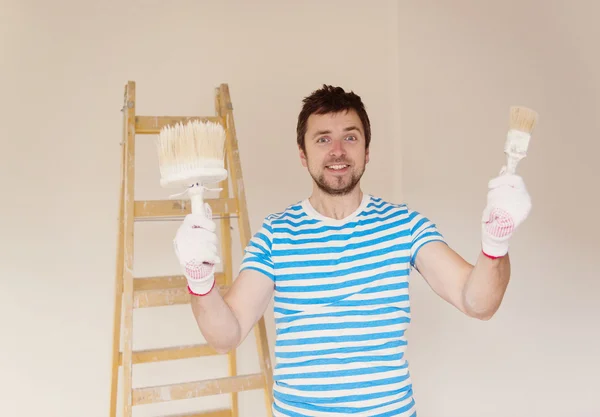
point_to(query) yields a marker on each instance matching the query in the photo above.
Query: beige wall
(64, 65)
(463, 63)
(437, 80)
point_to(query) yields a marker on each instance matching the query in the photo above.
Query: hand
(195, 245)
(508, 205)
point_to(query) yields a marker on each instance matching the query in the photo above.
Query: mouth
(337, 168)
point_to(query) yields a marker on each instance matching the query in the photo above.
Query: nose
(337, 148)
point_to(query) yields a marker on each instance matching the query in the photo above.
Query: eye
(322, 139)
(352, 138)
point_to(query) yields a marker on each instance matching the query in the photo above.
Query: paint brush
(521, 124)
(192, 155)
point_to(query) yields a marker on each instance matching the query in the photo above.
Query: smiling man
(337, 264)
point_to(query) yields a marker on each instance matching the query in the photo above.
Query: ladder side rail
(128, 220)
(238, 188)
(227, 259)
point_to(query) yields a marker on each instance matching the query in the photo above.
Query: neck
(336, 206)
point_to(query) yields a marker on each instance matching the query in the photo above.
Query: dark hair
(331, 99)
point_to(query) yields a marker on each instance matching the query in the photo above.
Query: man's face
(335, 151)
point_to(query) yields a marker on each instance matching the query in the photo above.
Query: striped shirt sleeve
(257, 254)
(422, 231)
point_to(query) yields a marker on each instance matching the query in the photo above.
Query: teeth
(337, 166)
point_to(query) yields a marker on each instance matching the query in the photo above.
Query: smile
(337, 167)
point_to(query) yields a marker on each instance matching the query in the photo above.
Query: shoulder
(379, 202)
(378, 205)
(291, 211)
(293, 214)
(409, 217)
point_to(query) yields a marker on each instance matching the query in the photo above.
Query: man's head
(333, 136)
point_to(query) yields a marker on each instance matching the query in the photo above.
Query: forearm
(485, 287)
(216, 321)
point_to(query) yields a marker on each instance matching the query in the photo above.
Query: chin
(337, 189)
(336, 185)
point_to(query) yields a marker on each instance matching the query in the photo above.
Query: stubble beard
(337, 189)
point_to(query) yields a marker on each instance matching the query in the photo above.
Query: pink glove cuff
(200, 294)
(492, 256)
(493, 248)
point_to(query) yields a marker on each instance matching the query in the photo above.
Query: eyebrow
(326, 132)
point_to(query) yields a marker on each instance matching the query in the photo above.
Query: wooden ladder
(133, 292)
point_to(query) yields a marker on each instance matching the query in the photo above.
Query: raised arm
(224, 321)
(478, 290)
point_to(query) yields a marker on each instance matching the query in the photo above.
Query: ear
(302, 157)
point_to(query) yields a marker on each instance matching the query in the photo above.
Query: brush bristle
(196, 144)
(523, 119)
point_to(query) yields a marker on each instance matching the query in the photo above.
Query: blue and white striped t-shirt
(341, 307)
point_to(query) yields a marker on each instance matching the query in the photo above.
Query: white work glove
(195, 245)
(508, 205)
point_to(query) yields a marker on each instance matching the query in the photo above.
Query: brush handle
(511, 164)
(515, 148)
(196, 193)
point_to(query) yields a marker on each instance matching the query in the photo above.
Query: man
(337, 264)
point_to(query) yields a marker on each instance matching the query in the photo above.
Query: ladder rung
(172, 353)
(215, 413)
(167, 297)
(196, 389)
(160, 298)
(168, 281)
(166, 291)
(153, 209)
(151, 125)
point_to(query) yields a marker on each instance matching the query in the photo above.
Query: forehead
(333, 121)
